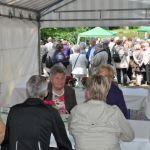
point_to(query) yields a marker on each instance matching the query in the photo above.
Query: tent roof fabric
(35, 5)
(90, 13)
(96, 32)
(144, 29)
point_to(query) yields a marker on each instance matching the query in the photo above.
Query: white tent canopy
(21, 20)
(104, 13)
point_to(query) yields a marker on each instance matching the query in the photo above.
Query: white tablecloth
(141, 141)
(135, 98)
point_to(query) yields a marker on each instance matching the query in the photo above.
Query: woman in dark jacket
(59, 56)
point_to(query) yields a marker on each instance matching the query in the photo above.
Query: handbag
(115, 55)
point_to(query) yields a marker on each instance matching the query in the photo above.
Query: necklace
(55, 93)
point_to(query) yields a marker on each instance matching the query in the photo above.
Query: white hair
(76, 48)
(36, 87)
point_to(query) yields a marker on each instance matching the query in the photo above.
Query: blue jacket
(115, 97)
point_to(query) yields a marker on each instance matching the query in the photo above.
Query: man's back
(30, 125)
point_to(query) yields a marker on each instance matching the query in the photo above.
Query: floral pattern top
(58, 103)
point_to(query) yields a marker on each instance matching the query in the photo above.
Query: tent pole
(39, 49)
(78, 40)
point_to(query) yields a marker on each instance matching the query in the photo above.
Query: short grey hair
(36, 86)
(98, 86)
(99, 45)
(76, 48)
(57, 69)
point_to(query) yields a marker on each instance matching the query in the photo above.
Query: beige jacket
(96, 125)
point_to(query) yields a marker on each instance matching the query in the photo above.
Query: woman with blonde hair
(96, 125)
(115, 94)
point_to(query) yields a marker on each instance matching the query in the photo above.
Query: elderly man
(30, 124)
(100, 57)
(115, 95)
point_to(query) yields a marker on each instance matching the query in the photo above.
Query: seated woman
(96, 125)
(115, 95)
(60, 96)
(2, 130)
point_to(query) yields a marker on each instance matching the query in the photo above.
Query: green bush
(71, 34)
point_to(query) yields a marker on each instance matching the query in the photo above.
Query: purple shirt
(66, 50)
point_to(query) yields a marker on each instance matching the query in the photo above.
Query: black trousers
(124, 72)
(148, 73)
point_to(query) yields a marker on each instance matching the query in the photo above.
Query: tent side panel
(18, 56)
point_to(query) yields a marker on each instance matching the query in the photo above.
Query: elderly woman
(96, 125)
(82, 47)
(100, 57)
(122, 66)
(30, 124)
(60, 96)
(115, 95)
(138, 56)
(79, 64)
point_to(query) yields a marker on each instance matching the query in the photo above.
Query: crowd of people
(132, 62)
(98, 123)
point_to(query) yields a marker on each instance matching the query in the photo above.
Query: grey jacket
(99, 58)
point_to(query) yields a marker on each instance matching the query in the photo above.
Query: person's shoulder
(115, 87)
(16, 107)
(79, 108)
(50, 110)
(69, 88)
(113, 109)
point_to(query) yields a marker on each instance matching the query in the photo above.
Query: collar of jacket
(33, 101)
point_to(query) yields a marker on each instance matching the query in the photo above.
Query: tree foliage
(71, 34)
(57, 34)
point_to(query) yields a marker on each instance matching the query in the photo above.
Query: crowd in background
(85, 57)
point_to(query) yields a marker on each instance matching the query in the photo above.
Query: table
(135, 98)
(141, 141)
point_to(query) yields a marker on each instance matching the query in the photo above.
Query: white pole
(78, 40)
